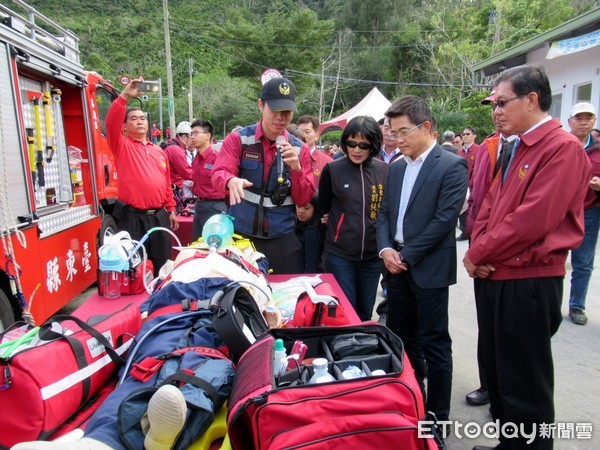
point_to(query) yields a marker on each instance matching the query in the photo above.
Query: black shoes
(578, 316)
(478, 397)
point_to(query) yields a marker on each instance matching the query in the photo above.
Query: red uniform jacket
(527, 225)
(143, 169)
(470, 155)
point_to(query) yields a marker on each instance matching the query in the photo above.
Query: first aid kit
(365, 394)
(48, 376)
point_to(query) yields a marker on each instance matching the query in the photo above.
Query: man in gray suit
(415, 238)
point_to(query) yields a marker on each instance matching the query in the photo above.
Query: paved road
(577, 366)
(576, 359)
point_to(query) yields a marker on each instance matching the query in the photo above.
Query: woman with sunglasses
(351, 190)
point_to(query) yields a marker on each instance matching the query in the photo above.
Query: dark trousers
(203, 211)
(419, 316)
(283, 252)
(517, 321)
(480, 359)
(158, 244)
(462, 222)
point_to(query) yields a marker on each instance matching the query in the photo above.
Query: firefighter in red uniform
(145, 194)
(263, 193)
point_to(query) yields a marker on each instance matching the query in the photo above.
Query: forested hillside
(334, 50)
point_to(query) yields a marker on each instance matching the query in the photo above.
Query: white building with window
(571, 55)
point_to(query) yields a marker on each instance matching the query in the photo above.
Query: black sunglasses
(361, 145)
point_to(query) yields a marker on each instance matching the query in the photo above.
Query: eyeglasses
(361, 145)
(401, 134)
(197, 132)
(502, 103)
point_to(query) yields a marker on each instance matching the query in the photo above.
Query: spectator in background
(310, 127)
(145, 198)
(448, 142)
(530, 218)
(311, 235)
(180, 163)
(469, 152)
(210, 200)
(336, 151)
(389, 150)
(583, 117)
(458, 140)
(263, 207)
(168, 133)
(155, 134)
(595, 133)
(388, 154)
(470, 147)
(350, 191)
(415, 237)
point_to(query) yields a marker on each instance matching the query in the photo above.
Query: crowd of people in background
(384, 203)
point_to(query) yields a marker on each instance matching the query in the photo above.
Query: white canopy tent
(374, 104)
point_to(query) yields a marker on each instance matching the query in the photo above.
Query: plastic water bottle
(218, 231)
(279, 358)
(321, 374)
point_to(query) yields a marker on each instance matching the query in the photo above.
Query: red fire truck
(57, 176)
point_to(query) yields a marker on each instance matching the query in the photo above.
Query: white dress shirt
(410, 176)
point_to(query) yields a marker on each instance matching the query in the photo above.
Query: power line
(265, 44)
(328, 77)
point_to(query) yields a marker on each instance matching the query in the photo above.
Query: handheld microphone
(279, 143)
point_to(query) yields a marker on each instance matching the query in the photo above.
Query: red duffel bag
(43, 385)
(379, 409)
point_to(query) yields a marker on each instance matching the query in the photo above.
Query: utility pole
(322, 89)
(169, 68)
(190, 104)
(160, 105)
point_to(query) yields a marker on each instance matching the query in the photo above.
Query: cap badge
(284, 89)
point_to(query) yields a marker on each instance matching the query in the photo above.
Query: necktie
(190, 157)
(507, 151)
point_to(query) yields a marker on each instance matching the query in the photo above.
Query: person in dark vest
(268, 172)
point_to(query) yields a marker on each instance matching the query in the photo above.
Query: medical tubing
(145, 236)
(144, 260)
(132, 353)
(140, 244)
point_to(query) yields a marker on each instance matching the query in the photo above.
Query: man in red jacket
(145, 195)
(528, 222)
(468, 151)
(310, 127)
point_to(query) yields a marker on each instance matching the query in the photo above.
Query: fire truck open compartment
(51, 144)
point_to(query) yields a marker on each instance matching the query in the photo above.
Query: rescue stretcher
(216, 436)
